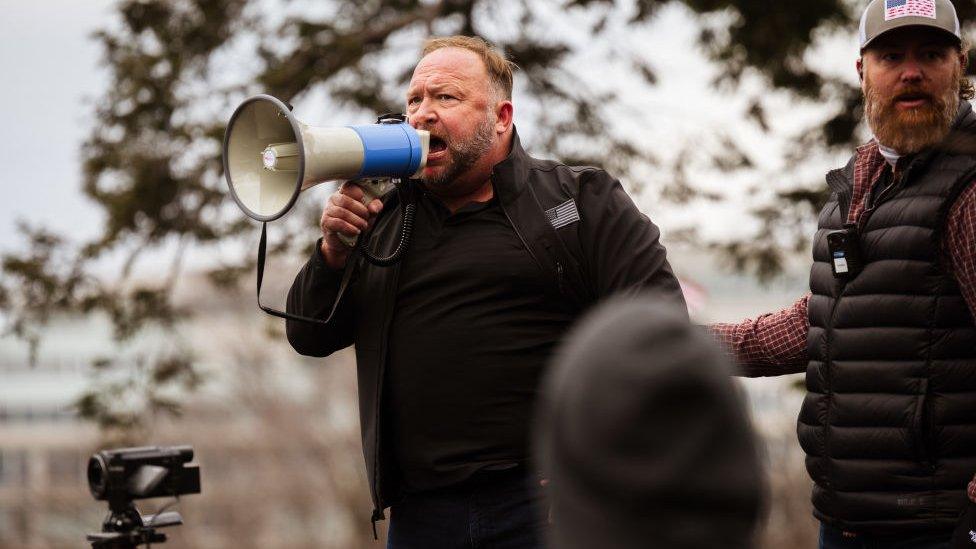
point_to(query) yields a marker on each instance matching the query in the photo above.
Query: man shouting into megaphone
(507, 251)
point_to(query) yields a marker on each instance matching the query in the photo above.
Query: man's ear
(860, 68)
(504, 114)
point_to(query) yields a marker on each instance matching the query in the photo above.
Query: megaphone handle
(372, 189)
(262, 249)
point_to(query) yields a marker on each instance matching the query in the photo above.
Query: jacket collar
(508, 177)
(962, 136)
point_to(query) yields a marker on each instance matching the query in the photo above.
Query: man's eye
(445, 97)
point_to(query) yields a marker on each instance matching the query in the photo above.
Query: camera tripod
(126, 528)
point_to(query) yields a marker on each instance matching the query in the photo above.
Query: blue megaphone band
(389, 150)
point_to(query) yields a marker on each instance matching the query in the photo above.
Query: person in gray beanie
(644, 438)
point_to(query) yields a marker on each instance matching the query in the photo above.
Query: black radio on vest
(845, 251)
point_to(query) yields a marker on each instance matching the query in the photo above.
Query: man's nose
(912, 70)
(424, 115)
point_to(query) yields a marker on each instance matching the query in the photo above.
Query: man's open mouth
(913, 99)
(437, 145)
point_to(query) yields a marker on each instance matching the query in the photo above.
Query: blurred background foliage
(178, 67)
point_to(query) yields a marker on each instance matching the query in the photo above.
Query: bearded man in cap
(887, 336)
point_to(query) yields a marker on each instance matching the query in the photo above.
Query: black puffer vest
(889, 420)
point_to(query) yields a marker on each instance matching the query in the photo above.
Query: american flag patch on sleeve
(563, 214)
(896, 9)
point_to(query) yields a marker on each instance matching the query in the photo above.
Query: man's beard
(463, 154)
(909, 131)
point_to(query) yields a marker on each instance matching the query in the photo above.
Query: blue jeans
(496, 509)
(832, 538)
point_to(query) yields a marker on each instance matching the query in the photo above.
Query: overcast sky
(49, 66)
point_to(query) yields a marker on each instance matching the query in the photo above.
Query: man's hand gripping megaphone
(349, 212)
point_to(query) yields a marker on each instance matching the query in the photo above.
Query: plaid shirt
(776, 343)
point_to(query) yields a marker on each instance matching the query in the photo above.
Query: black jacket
(889, 421)
(612, 248)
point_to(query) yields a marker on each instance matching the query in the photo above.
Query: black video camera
(140, 473)
(126, 474)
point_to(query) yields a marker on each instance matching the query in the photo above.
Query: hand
(971, 490)
(345, 213)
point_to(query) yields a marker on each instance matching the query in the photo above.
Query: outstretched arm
(770, 345)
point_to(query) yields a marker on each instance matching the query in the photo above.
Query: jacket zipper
(839, 184)
(829, 378)
(873, 202)
(560, 280)
(524, 242)
(378, 513)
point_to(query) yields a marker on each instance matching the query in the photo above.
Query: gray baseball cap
(882, 16)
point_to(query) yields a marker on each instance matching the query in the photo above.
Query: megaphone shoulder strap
(262, 249)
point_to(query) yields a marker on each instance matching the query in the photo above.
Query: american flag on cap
(895, 9)
(881, 16)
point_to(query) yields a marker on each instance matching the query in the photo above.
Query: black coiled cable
(406, 230)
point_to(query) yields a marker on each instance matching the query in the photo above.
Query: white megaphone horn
(270, 156)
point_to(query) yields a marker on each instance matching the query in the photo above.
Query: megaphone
(270, 156)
